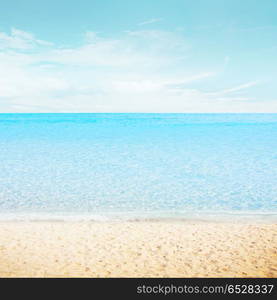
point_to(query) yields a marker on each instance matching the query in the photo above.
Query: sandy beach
(137, 249)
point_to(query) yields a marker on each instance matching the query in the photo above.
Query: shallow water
(138, 165)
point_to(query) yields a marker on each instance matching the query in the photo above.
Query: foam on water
(137, 165)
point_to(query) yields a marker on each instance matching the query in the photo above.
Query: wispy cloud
(238, 88)
(157, 84)
(21, 40)
(139, 71)
(151, 21)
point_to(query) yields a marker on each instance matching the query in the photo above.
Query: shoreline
(137, 249)
(184, 221)
(210, 217)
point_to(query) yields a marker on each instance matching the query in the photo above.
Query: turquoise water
(138, 165)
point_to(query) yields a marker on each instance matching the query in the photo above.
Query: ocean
(138, 166)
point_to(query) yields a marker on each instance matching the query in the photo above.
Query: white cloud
(137, 49)
(157, 84)
(20, 40)
(139, 71)
(237, 88)
(151, 21)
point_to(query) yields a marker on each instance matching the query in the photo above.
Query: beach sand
(137, 249)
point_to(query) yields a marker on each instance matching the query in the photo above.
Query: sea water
(103, 166)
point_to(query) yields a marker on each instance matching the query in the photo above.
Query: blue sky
(138, 56)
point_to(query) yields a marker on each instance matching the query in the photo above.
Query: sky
(184, 56)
